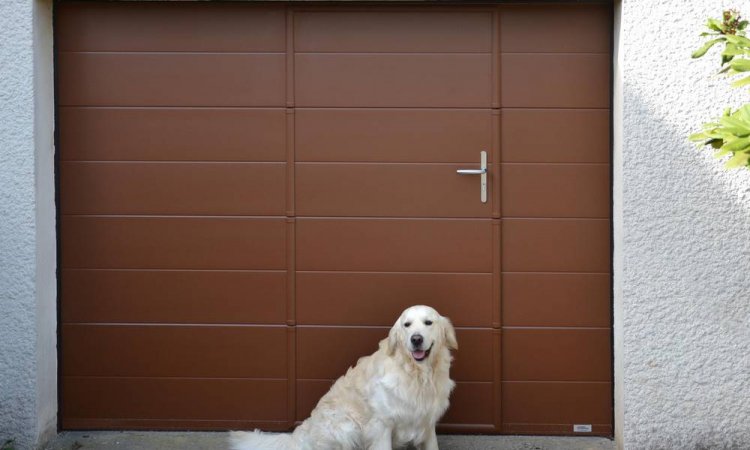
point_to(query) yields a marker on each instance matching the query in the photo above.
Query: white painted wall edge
(46, 234)
(617, 224)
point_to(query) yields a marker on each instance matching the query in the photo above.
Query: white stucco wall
(683, 241)
(28, 392)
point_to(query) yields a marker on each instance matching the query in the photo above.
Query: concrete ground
(156, 440)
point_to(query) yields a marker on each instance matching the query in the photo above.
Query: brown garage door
(251, 194)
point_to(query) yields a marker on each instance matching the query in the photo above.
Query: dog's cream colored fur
(388, 400)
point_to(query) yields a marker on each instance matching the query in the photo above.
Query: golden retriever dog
(388, 400)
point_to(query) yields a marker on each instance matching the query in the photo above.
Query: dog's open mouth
(421, 355)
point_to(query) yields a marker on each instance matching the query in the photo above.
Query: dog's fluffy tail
(255, 440)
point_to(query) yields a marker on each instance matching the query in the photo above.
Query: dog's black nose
(416, 340)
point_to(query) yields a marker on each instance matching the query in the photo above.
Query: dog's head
(421, 331)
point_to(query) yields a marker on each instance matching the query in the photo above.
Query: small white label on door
(581, 428)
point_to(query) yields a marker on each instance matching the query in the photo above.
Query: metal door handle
(482, 172)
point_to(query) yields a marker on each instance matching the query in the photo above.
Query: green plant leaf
(741, 82)
(740, 41)
(732, 50)
(735, 126)
(706, 47)
(739, 159)
(744, 112)
(737, 144)
(740, 65)
(715, 25)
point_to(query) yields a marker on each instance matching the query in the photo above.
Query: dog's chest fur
(411, 400)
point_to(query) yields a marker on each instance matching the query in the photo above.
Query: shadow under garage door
(249, 195)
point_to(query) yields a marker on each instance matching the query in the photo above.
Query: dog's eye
(407, 324)
(428, 322)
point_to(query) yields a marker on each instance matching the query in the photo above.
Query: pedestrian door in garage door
(250, 194)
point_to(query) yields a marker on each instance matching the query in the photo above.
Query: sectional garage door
(250, 194)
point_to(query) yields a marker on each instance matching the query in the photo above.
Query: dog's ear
(449, 334)
(394, 336)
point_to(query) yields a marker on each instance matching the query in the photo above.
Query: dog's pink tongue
(418, 354)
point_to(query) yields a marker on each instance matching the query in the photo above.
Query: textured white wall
(27, 244)
(683, 241)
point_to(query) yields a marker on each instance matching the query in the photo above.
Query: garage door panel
(555, 190)
(556, 300)
(174, 351)
(172, 134)
(470, 404)
(187, 238)
(473, 361)
(171, 79)
(559, 354)
(555, 80)
(555, 28)
(309, 393)
(392, 135)
(330, 298)
(163, 26)
(380, 80)
(387, 190)
(173, 399)
(173, 296)
(172, 243)
(448, 245)
(555, 135)
(556, 245)
(173, 188)
(556, 403)
(392, 31)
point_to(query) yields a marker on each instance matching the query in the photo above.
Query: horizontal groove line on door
(554, 163)
(390, 273)
(387, 163)
(431, 108)
(259, 217)
(395, 218)
(555, 381)
(146, 420)
(384, 327)
(516, 327)
(400, 108)
(555, 53)
(170, 378)
(558, 108)
(174, 216)
(177, 269)
(391, 53)
(556, 218)
(334, 379)
(555, 273)
(73, 105)
(152, 161)
(177, 325)
(268, 108)
(541, 424)
(181, 270)
(166, 52)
